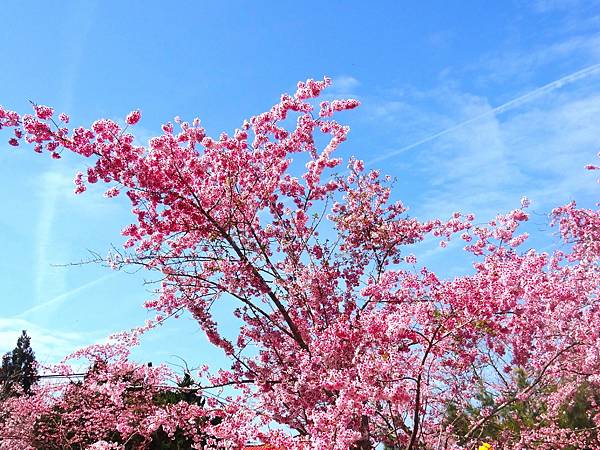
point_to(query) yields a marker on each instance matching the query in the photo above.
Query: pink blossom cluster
(346, 342)
(116, 406)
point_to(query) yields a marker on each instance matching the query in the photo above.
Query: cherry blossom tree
(116, 404)
(346, 341)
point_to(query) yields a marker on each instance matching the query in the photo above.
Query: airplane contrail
(59, 299)
(514, 103)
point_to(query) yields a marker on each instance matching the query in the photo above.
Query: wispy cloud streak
(51, 183)
(59, 299)
(514, 103)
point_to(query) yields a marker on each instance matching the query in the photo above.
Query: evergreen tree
(18, 372)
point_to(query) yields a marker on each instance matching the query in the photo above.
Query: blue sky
(422, 70)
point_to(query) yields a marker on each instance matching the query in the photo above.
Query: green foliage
(517, 416)
(18, 372)
(520, 415)
(185, 393)
(579, 413)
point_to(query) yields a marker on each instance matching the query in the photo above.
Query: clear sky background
(469, 104)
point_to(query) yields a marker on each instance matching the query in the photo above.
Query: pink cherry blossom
(133, 117)
(340, 345)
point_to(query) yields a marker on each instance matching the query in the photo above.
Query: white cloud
(479, 117)
(62, 298)
(79, 30)
(60, 211)
(344, 84)
(49, 345)
(544, 6)
(519, 65)
(47, 281)
(487, 166)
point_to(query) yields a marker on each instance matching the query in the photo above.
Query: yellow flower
(485, 446)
